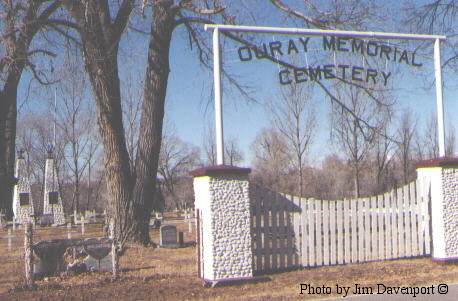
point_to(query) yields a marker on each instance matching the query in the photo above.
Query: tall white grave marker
(52, 199)
(22, 200)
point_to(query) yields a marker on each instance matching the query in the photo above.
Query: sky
(189, 104)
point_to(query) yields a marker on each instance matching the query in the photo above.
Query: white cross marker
(9, 236)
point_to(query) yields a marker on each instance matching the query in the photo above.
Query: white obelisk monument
(52, 199)
(22, 200)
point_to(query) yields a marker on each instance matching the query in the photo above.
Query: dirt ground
(171, 274)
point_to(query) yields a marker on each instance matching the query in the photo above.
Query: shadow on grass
(137, 269)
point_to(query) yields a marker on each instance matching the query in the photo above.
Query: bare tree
(209, 146)
(450, 141)
(272, 158)
(430, 142)
(177, 158)
(346, 129)
(383, 151)
(232, 152)
(132, 101)
(75, 118)
(294, 117)
(405, 137)
(383, 156)
(20, 22)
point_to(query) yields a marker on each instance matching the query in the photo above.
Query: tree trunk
(10, 151)
(149, 144)
(103, 73)
(357, 193)
(8, 113)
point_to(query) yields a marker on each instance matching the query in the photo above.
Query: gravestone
(168, 236)
(155, 223)
(83, 222)
(50, 254)
(46, 220)
(22, 197)
(98, 250)
(95, 251)
(2, 222)
(69, 231)
(9, 237)
(90, 216)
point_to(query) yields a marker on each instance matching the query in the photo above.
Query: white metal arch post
(319, 32)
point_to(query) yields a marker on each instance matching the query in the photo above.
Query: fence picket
(268, 233)
(421, 237)
(354, 232)
(305, 212)
(319, 232)
(340, 234)
(311, 234)
(274, 219)
(407, 221)
(394, 223)
(297, 213)
(281, 231)
(367, 230)
(374, 232)
(325, 224)
(333, 230)
(413, 218)
(347, 213)
(388, 232)
(360, 233)
(289, 231)
(401, 238)
(381, 224)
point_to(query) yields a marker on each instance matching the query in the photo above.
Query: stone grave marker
(168, 236)
(1, 220)
(69, 231)
(50, 254)
(46, 220)
(91, 216)
(155, 223)
(98, 251)
(83, 221)
(9, 236)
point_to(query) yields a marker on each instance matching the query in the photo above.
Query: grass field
(171, 274)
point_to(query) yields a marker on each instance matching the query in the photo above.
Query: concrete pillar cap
(219, 170)
(438, 162)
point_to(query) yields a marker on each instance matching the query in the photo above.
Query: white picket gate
(291, 232)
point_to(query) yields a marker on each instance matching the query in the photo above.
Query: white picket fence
(291, 232)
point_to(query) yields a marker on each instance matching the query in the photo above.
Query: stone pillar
(52, 190)
(22, 198)
(222, 203)
(439, 177)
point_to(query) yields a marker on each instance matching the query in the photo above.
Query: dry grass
(170, 274)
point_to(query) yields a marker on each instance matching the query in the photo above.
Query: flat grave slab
(169, 237)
